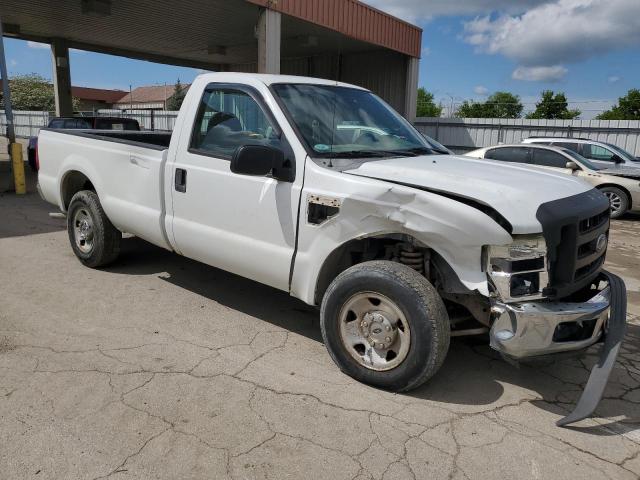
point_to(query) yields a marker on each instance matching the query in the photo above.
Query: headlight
(518, 271)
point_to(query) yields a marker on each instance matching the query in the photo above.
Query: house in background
(91, 99)
(154, 97)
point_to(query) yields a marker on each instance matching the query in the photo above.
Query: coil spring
(412, 259)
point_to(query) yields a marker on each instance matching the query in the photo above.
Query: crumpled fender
(369, 207)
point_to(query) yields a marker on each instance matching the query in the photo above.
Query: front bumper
(531, 329)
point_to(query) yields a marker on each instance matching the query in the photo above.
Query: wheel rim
(374, 331)
(615, 201)
(83, 230)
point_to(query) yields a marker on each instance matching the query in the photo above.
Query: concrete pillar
(61, 78)
(411, 89)
(269, 33)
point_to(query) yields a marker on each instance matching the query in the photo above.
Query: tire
(86, 220)
(415, 301)
(618, 199)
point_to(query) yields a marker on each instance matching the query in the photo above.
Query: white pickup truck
(320, 189)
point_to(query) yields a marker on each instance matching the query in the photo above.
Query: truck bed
(125, 168)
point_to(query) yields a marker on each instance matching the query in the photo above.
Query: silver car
(600, 154)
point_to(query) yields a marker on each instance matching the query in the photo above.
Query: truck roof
(270, 79)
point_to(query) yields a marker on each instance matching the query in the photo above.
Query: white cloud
(38, 45)
(613, 79)
(415, 10)
(540, 74)
(552, 34)
(481, 91)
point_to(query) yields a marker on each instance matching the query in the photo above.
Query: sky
(589, 49)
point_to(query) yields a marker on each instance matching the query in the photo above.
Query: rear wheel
(385, 325)
(94, 239)
(618, 200)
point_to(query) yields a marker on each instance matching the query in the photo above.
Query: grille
(592, 223)
(577, 259)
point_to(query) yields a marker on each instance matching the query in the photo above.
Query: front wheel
(385, 325)
(618, 200)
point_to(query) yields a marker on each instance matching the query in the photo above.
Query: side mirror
(258, 160)
(572, 166)
(617, 159)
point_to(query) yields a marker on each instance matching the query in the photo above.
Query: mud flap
(614, 334)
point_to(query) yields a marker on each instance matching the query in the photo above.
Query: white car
(601, 154)
(620, 185)
(400, 248)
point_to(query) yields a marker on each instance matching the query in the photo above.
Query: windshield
(347, 122)
(623, 153)
(582, 161)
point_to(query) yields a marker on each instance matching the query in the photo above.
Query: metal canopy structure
(337, 39)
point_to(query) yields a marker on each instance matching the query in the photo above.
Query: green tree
(426, 106)
(628, 108)
(32, 92)
(177, 97)
(553, 106)
(498, 105)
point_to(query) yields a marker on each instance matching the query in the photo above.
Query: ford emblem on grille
(601, 243)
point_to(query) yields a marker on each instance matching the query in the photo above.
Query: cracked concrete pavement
(160, 367)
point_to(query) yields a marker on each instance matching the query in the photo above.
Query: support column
(15, 149)
(269, 33)
(61, 78)
(411, 89)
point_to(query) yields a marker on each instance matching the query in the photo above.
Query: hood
(627, 172)
(515, 191)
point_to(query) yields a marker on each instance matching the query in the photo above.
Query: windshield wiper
(361, 154)
(410, 152)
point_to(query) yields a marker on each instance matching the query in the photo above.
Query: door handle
(181, 180)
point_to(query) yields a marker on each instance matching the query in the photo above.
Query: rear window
(77, 123)
(116, 124)
(509, 154)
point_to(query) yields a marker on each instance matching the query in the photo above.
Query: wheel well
(400, 248)
(73, 183)
(619, 187)
(461, 302)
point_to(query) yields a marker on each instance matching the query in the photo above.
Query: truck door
(242, 224)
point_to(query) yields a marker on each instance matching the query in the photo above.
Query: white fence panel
(465, 134)
(26, 123)
(459, 134)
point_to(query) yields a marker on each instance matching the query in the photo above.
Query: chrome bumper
(527, 329)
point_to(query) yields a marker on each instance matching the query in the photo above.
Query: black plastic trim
(560, 220)
(616, 328)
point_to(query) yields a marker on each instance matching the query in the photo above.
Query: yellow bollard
(18, 168)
